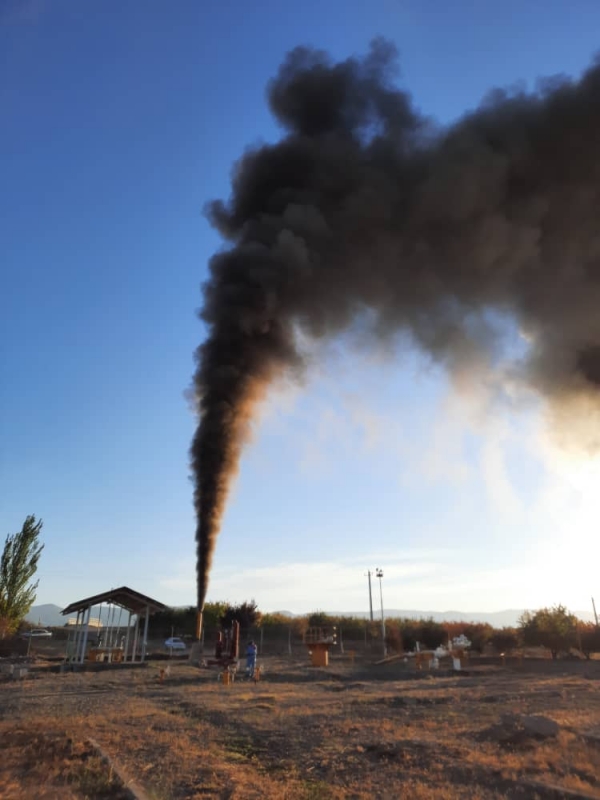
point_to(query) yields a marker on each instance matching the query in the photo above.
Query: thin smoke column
(365, 210)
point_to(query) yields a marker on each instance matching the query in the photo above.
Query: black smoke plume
(364, 205)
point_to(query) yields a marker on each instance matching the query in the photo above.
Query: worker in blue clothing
(251, 651)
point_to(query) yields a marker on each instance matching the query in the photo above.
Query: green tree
(503, 640)
(554, 628)
(393, 638)
(18, 565)
(478, 633)
(430, 634)
(247, 614)
(402, 634)
(588, 637)
(173, 621)
(213, 612)
(319, 619)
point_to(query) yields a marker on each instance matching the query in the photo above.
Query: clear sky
(119, 119)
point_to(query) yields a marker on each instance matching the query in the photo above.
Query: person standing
(251, 651)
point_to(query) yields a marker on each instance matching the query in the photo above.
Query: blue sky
(119, 121)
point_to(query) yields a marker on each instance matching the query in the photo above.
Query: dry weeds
(351, 731)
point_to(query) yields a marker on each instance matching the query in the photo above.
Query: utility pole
(595, 614)
(379, 574)
(370, 596)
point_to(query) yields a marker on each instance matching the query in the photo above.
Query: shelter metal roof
(123, 596)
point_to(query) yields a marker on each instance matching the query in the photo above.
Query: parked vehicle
(37, 633)
(175, 643)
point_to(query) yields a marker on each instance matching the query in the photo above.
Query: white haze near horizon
(476, 505)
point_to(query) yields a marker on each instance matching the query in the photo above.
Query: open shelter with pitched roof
(120, 642)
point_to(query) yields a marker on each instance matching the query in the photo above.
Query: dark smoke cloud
(365, 206)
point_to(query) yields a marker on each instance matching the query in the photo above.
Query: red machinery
(227, 648)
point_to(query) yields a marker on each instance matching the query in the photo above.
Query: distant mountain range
(49, 615)
(498, 619)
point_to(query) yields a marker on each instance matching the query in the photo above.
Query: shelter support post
(136, 636)
(72, 645)
(145, 639)
(127, 637)
(75, 650)
(85, 634)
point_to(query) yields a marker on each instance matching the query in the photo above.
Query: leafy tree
(247, 614)
(299, 626)
(454, 629)
(393, 638)
(319, 619)
(505, 639)
(275, 619)
(588, 638)
(403, 634)
(18, 565)
(554, 628)
(430, 634)
(478, 633)
(177, 621)
(212, 614)
(354, 627)
(277, 625)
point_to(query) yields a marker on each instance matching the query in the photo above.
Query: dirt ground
(352, 730)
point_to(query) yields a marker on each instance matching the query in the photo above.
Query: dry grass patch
(39, 764)
(305, 734)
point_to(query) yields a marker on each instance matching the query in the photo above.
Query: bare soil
(353, 730)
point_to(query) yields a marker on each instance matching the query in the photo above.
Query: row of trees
(553, 628)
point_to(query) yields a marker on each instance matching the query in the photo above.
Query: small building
(94, 623)
(121, 638)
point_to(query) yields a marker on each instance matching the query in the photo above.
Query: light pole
(379, 574)
(369, 573)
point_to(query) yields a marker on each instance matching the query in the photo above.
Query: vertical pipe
(75, 654)
(136, 637)
(127, 637)
(74, 650)
(110, 619)
(85, 634)
(99, 637)
(145, 640)
(118, 628)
